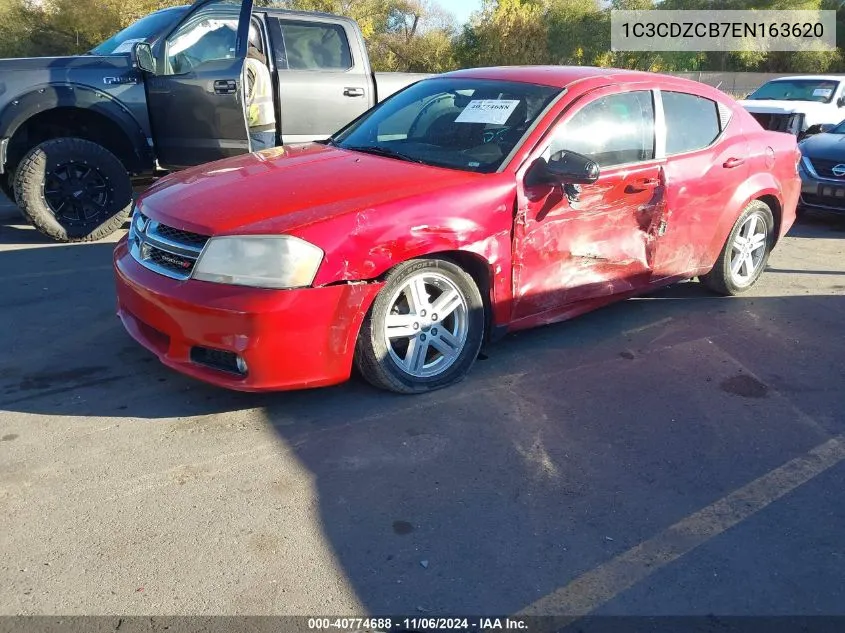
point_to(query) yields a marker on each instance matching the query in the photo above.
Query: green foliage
(66, 27)
(420, 36)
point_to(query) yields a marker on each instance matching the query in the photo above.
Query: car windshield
(458, 123)
(146, 29)
(821, 90)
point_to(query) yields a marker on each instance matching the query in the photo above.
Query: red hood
(287, 187)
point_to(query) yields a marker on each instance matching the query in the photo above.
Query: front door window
(210, 34)
(581, 243)
(612, 130)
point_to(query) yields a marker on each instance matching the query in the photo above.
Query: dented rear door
(707, 161)
(574, 246)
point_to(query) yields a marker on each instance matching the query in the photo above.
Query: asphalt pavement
(676, 454)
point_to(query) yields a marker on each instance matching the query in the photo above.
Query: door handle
(225, 87)
(642, 185)
(353, 92)
(733, 162)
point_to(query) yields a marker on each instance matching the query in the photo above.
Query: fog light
(241, 364)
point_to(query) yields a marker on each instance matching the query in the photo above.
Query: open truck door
(194, 85)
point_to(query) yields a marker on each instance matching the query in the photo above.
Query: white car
(793, 104)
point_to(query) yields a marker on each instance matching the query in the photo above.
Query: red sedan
(468, 205)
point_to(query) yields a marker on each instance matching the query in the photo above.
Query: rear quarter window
(692, 122)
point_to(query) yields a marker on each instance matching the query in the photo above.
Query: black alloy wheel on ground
(73, 190)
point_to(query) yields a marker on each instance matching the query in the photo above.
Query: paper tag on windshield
(494, 111)
(822, 92)
(126, 46)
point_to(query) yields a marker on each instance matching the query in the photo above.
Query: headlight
(262, 261)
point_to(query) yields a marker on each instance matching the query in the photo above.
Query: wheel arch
(761, 187)
(773, 202)
(477, 267)
(53, 111)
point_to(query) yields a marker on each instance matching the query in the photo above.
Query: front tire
(73, 190)
(745, 252)
(424, 329)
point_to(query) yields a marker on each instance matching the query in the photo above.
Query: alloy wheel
(76, 193)
(427, 325)
(748, 250)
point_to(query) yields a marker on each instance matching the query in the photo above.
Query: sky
(461, 9)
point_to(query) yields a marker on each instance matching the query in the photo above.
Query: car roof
(556, 76)
(564, 76)
(293, 13)
(179, 8)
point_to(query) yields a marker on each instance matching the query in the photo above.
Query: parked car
(467, 205)
(75, 131)
(798, 104)
(822, 170)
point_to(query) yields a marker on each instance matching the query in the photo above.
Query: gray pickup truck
(167, 93)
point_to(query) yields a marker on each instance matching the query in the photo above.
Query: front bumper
(821, 193)
(290, 339)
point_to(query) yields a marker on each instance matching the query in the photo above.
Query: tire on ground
(719, 279)
(31, 177)
(372, 357)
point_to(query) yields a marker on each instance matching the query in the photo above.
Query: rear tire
(405, 345)
(73, 190)
(745, 253)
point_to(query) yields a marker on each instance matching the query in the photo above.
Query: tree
(506, 32)
(419, 36)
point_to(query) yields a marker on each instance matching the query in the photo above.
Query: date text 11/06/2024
(417, 624)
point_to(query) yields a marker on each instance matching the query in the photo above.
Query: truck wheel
(745, 252)
(73, 190)
(424, 329)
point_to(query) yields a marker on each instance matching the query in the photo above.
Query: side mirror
(570, 168)
(142, 57)
(840, 101)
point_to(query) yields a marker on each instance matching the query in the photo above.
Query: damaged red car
(468, 205)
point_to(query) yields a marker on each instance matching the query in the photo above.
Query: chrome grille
(164, 249)
(178, 235)
(824, 168)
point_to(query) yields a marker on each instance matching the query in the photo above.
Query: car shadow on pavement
(14, 231)
(565, 446)
(74, 347)
(815, 224)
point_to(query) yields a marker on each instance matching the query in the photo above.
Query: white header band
(757, 31)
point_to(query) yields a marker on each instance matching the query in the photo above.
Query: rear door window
(612, 130)
(315, 46)
(692, 122)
